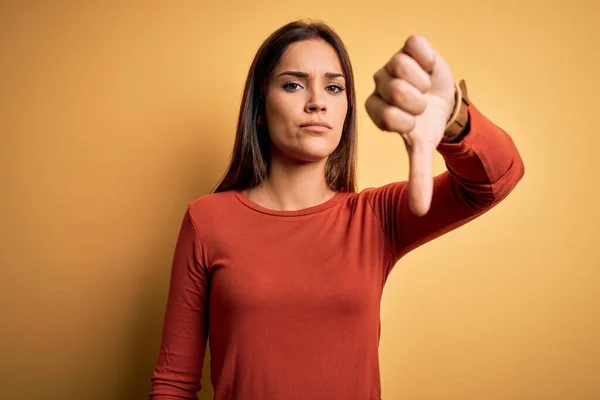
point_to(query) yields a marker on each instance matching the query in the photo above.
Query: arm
(483, 168)
(178, 371)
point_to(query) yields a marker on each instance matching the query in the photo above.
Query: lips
(316, 125)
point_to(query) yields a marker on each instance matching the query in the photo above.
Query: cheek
(280, 114)
(342, 110)
(279, 119)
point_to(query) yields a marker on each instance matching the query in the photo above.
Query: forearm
(484, 160)
(177, 374)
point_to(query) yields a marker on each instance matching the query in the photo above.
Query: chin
(305, 156)
(309, 151)
(314, 153)
(313, 158)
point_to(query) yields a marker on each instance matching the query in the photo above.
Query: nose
(316, 103)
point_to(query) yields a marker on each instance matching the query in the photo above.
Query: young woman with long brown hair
(282, 267)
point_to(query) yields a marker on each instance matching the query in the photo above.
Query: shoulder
(211, 204)
(211, 213)
(387, 191)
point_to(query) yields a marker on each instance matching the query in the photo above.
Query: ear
(261, 119)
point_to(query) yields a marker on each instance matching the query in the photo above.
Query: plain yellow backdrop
(115, 115)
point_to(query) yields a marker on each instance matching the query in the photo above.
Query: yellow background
(113, 117)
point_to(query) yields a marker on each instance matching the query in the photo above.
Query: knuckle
(427, 83)
(399, 64)
(369, 105)
(414, 38)
(398, 90)
(389, 118)
(377, 76)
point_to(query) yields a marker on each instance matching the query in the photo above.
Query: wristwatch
(455, 128)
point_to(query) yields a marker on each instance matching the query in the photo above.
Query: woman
(283, 267)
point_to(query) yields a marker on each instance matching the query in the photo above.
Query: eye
(335, 89)
(291, 86)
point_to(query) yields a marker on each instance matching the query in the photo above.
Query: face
(306, 103)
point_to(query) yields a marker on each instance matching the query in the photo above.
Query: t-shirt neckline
(239, 194)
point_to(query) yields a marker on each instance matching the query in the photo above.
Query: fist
(414, 96)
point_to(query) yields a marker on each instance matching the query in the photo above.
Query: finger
(388, 117)
(420, 50)
(403, 66)
(399, 93)
(420, 181)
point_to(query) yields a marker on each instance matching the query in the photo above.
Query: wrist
(457, 125)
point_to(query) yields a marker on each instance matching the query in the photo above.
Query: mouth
(316, 126)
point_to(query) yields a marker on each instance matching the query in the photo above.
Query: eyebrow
(299, 74)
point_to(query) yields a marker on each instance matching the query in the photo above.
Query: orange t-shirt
(291, 299)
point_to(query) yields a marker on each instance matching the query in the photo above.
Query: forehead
(311, 56)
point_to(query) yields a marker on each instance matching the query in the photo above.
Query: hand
(414, 96)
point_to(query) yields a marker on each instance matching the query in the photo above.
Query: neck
(292, 187)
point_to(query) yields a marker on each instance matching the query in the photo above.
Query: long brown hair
(250, 157)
